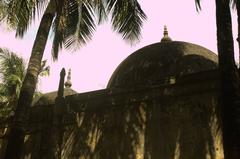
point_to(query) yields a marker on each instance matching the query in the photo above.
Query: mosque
(160, 103)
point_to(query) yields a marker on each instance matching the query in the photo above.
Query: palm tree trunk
(17, 132)
(229, 81)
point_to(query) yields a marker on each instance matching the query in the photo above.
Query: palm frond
(3, 91)
(58, 28)
(12, 71)
(45, 70)
(11, 64)
(5, 19)
(99, 7)
(127, 18)
(40, 6)
(198, 5)
(3, 11)
(72, 17)
(21, 13)
(84, 28)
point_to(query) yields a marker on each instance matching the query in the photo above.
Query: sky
(93, 64)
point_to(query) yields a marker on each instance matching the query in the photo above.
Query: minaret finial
(165, 32)
(165, 35)
(68, 83)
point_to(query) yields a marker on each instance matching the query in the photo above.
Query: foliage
(12, 73)
(73, 23)
(76, 20)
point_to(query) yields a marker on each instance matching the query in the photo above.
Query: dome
(152, 64)
(49, 98)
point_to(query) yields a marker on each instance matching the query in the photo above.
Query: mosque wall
(174, 121)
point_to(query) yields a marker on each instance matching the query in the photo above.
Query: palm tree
(12, 73)
(73, 24)
(229, 80)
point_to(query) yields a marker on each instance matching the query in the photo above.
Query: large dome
(152, 64)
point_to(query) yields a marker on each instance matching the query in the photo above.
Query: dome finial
(68, 83)
(165, 35)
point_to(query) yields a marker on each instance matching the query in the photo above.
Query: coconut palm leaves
(127, 17)
(74, 25)
(45, 69)
(12, 73)
(19, 14)
(75, 20)
(2, 10)
(198, 5)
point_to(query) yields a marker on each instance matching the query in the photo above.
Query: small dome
(49, 98)
(152, 64)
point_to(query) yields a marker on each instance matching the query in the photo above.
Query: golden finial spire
(165, 35)
(68, 83)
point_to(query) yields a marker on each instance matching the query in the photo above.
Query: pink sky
(94, 63)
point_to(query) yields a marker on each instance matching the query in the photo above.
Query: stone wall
(173, 121)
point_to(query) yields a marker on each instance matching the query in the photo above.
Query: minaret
(68, 83)
(165, 38)
(61, 83)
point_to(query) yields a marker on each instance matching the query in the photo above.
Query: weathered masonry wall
(175, 121)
